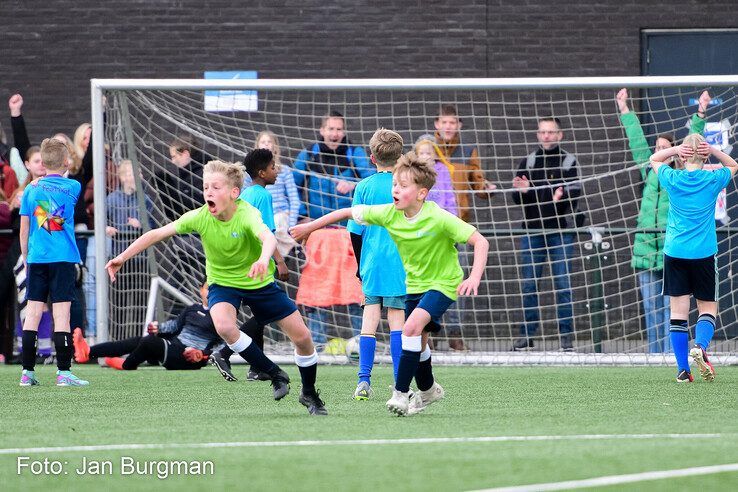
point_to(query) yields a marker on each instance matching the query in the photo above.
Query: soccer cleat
(363, 391)
(115, 362)
(699, 356)
(399, 403)
(522, 344)
(28, 378)
(420, 400)
(313, 403)
(66, 378)
(280, 385)
(684, 377)
(223, 366)
(255, 375)
(81, 348)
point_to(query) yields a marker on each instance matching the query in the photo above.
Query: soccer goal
(614, 313)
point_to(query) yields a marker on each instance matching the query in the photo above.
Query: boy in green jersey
(425, 236)
(238, 249)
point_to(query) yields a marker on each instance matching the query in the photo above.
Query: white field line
(355, 442)
(619, 479)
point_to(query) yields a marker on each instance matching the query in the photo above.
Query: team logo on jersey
(424, 233)
(49, 216)
(234, 234)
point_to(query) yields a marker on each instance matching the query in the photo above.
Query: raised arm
(724, 158)
(660, 157)
(302, 231)
(144, 241)
(637, 142)
(20, 135)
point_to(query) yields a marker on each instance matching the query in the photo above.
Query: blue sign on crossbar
(231, 100)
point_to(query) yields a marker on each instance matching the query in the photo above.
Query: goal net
(543, 287)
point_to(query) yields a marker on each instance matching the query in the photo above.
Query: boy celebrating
(262, 170)
(50, 251)
(380, 268)
(425, 236)
(238, 249)
(690, 247)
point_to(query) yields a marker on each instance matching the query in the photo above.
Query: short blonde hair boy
(386, 147)
(694, 140)
(54, 154)
(233, 171)
(421, 173)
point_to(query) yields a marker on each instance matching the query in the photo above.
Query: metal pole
(99, 169)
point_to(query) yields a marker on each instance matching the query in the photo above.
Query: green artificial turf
(152, 405)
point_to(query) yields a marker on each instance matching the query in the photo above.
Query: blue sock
(704, 330)
(395, 349)
(367, 346)
(679, 335)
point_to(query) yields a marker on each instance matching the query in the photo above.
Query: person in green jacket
(648, 254)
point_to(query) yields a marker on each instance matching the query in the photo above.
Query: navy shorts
(698, 277)
(268, 303)
(53, 281)
(432, 301)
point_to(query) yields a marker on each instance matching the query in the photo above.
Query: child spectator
(443, 191)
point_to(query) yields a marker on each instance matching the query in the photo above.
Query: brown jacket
(467, 172)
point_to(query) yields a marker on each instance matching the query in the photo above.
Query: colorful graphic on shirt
(49, 216)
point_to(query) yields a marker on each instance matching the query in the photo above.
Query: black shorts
(698, 277)
(268, 303)
(53, 281)
(432, 301)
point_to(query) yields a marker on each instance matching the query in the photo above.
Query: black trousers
(151, 349)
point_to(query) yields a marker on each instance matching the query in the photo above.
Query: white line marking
(355, 442)
(619, 479)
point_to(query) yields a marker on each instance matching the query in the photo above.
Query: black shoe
(255, 375)
(566, 344)
(522, 344)
(684, 377)
(223, 366)
(313, 403)
(280, 384)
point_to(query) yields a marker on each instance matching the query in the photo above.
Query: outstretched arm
(481, 248)
(144, 241)
(659, 158)
(302, 231)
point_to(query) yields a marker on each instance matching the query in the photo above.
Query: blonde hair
(419, 170)
(75, 163)
(232, 171)
(125, 163)
(79, 135)
(54, 153)
(693, 140)
(440, 156)
(386, 146)
(275, 144)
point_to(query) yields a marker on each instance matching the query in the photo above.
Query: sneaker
(566, 344)
(313, 403)
(699, 356)
(399, 403)
(684, 377)
(522, 344)
(363, 391)
(115, 362)
(255, 375)
(81, 348)
(422, 399)
(66, 378)
(28, 378)
(222, 365)
(280, 385)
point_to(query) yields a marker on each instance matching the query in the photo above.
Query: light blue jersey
(258, 197)
(49, 204)
(690, 227)
(381, 270)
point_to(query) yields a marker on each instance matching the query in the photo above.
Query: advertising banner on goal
(231, 100)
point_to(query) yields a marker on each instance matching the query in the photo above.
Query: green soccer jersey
(230, 247)
(426, 244)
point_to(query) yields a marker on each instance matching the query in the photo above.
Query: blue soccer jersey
(381, 270)
(690, 228)
(49, 204)
(258, 197)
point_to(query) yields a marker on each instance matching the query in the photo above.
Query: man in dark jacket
(548, 187)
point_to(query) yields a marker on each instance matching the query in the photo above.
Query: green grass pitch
(152, 405)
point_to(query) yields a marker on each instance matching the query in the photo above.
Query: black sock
(226, 352)
(254, 356)
(405, 372)
(64, 348)
(28, 355)
(308, 375)
(424, 375)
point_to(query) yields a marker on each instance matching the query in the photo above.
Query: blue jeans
(656, 309)
(535, 250)
(318, 317)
